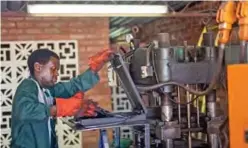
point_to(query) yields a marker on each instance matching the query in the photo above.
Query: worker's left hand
(97, 61)
(88, 108)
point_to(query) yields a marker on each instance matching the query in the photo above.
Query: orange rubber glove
(75, 105)
(88, 106)
(88, 109)
(79, 95)
(97, 61)
(67, 107)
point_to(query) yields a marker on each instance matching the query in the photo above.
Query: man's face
(47, 74)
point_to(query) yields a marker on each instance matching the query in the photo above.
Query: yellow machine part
(238, 105)
(204, 30)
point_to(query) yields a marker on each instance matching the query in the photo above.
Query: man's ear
(37, 66)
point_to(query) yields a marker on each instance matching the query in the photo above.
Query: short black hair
(41, 56)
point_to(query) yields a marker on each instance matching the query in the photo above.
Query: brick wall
(180, 28)
(91, 34)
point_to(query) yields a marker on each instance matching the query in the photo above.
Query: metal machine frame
(193, 73)
(156, 62)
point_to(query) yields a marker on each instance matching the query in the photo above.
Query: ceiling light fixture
(96, 10)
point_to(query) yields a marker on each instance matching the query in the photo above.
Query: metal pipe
(162, 57)
(167, 114)
(211, 106)
(189, 121)
(243, 57)
(147, 136)
(168, 143)
(179, 104)
(208, 42)
(213, 140)
(190, 14)
(137, 140)
(197, 117)
(167, 109)
(197, 101)
(163, 40)
(117, 137)
(197, 110)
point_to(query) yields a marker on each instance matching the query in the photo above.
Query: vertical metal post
(211, 97)
(117, 137)
(197, 102)
(166, 116)
(208, 42)
(243, 56)
(198, 113)
(147, 136)
(179, 106)
(137, 140)
(211, 110)
(188, 118)
(168, 143)
(211, 104)
(103, 142)
(164, 54)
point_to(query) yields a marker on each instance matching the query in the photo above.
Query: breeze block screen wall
(14, 69)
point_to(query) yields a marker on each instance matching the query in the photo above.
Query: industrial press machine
(173, 90)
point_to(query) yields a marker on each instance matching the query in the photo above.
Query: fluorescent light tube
(96, 10)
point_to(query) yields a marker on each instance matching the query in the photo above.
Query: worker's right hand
(67, 107)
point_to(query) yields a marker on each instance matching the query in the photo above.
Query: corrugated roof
(118, 25)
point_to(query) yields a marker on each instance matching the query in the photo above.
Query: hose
(198, 93)
(226, 140)
(220, 142)
(123, 50)
(128, 54)
(224, 132)
(226, 144)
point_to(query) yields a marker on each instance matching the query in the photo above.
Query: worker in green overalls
(37, 101)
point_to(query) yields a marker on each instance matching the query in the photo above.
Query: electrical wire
(224, 131)
(186, 7)
(128, 54)
(149, 49)
(123, 50)
(226, 139)
(219, 141)
(186, 103)
(154, 66)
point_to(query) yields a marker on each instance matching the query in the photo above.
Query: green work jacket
(29, 117)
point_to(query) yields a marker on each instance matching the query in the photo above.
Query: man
(35, 107)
